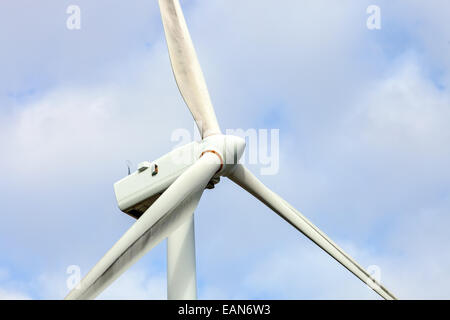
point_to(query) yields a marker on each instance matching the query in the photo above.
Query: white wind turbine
(163, 195)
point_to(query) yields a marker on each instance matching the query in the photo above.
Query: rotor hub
(229, 150)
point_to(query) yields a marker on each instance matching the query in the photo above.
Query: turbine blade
(244, 178)
(173, 208)
(186, 68)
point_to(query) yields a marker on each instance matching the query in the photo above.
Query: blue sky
(364, 142)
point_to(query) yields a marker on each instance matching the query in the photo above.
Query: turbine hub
(228, 148)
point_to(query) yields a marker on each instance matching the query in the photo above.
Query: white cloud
(137, 284)
(406, 112)
(295, 272)
(387, 166)
(11, 289)
(13, 295)
(427, 25)
(86, 128)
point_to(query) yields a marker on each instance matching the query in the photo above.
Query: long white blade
(186, 68)
(244, 178)
(172, 209)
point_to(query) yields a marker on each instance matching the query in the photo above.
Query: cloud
(376, 181)
(426, 27)
(43, 53)
(78, 126)
(137, 284)
(284, 272)
(9, 288)
(406, 112)
(13, 295)
(420, 271)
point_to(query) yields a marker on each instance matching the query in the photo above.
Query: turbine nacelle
(139, 190)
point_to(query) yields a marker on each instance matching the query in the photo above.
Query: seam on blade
(217, 154)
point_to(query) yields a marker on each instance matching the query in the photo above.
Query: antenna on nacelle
(129, 164)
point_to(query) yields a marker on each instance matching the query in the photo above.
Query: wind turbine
(162, 195)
